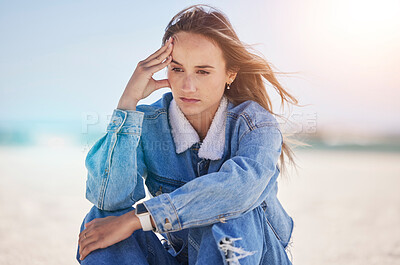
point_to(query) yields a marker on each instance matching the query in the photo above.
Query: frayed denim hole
(288, 249)
(230, 251)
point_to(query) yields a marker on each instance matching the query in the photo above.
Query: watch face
(140, 208)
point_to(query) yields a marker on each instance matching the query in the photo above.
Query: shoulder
(252, 125)
(156, 109)
(252, 114)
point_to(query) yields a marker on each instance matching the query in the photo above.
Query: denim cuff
(126, 121)
(164, 213)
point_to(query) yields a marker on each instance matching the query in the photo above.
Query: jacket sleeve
(240, 185)
(115, 165)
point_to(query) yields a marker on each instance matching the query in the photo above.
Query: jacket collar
(185, 135)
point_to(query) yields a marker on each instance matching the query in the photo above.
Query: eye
(203, 72)
(175, 69)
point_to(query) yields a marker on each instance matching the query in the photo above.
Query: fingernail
(170, 45)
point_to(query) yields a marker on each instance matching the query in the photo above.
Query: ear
(231, 77)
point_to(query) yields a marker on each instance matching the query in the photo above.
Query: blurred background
(65, 64)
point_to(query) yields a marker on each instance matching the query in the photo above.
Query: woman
(208, 153)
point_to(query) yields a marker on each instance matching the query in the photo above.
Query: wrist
(132, 220)
(145, 218)
(127, 103)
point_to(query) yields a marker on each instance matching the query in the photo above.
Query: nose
(189, 84)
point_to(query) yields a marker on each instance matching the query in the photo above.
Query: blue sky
(63, 60)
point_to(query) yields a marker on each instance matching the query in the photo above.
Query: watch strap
(145, 221)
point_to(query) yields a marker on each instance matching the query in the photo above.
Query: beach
(345, 205)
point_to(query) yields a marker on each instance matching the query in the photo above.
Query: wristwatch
(144, 217)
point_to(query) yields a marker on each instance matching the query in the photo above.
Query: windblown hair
(250, 68)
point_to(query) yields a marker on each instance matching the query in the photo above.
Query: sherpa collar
(185, 135)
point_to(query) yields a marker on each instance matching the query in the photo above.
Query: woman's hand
(141, 84)
(104, 232)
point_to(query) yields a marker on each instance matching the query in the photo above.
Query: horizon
(343, 55)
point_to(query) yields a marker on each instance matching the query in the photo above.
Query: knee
(97, 213)
(129, 249)
(238, 240)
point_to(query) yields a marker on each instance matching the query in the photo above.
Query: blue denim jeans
(231, 242)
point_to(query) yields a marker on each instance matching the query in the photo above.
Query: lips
(189, 100)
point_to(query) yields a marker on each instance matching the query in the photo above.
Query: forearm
(204, 202)
(113, 182)
(127, 103)
(131, 220)
(241, 184)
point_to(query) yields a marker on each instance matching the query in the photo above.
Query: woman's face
(197, 75)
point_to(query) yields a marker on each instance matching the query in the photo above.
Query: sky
(68, 61)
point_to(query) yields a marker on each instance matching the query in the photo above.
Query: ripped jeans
(247, 239)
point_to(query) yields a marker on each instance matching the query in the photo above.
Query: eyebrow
(199, 66)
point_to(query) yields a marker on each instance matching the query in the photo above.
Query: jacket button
(117, 120)
(167, 225)
(159, 192)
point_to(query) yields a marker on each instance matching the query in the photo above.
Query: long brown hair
(250, 68)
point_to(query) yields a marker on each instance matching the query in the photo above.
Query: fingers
(160, 58)
(84, 234)
(158, 67)
(87, 243)
(89, 223)
(88, 248)
(160, 52)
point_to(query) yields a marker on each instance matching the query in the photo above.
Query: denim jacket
(189, 190)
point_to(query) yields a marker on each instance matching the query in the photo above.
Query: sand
(346, 206)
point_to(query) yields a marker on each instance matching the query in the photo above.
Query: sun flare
(365, 17)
